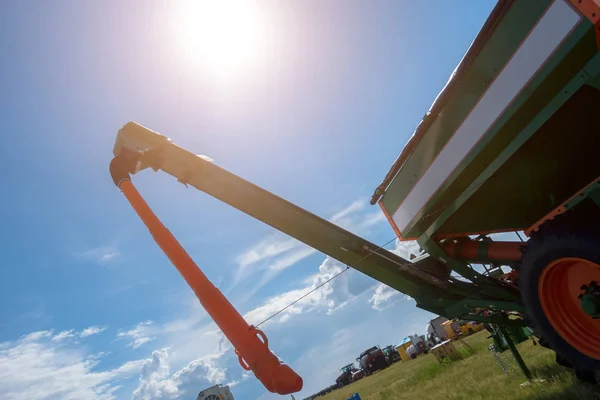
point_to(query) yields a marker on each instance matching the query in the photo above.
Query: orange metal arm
(253, 352)
(480, 251)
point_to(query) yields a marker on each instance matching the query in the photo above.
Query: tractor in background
(349, 375)
(392, 355)
(372, 360)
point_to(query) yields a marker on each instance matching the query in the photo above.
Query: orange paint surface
(250, 343)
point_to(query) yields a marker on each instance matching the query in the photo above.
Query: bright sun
(223, 37)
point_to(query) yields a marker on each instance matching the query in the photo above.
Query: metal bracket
(591, 10)
(592, 191)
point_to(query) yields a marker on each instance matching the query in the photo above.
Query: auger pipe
(251, 344)
(504, 252)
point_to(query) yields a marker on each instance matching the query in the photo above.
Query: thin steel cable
(322, 284)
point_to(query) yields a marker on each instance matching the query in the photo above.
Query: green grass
(476, 376)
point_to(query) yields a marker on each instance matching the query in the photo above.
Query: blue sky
(91, 308)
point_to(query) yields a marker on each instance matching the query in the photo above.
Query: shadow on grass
(578, 391)
(549, 371)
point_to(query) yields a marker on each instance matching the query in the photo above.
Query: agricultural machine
(509, 145)
(435, 329)
(469, 327)
(349, 375)
(372, 359)
(392, 355)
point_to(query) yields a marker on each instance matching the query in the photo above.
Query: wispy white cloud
(334, 294)
(405, 248)
(38, 367)
(329, 297)
(266, 249)
(341, 217)
(142, 333)
(102, 254)
(383, 296)
(278, 252)
(64, 335)
(92, 330)
(72, 334)
(373, 218)
(272, 254)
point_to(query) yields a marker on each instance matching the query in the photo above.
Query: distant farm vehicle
(392, 355)
(435, 329)
(372, 360)
(419, 343)
(411, 346)
(349, 374)
(412, 351)
(451, 328)
(469, 327)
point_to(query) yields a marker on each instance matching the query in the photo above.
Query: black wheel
(340, 384)
(471, 331)
(558, 267)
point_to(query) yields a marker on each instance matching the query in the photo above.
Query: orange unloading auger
(253, 352)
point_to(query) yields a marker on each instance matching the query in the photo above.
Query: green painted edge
(412, 229)
(494, 319)
(592, 191)
(463, 306)
(513, 27)
(578, 81)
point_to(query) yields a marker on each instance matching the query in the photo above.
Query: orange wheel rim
(559, 286)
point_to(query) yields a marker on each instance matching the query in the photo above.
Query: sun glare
(223, 37)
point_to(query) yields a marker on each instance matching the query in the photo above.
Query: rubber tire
(555, 240)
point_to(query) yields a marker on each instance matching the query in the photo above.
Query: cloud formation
(142, 333)
(92, 330)
(72, 334)
(102, 254)
(330, 297)
(38, 366)
(156, 382)
(383, 296)
(278, 251)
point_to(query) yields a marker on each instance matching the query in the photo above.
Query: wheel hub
(573, 309)
(590, 299)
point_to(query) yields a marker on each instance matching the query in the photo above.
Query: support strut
(251, 344)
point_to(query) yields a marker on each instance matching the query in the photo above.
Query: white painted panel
(542, 41)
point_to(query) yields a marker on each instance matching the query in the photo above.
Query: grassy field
(476, 376)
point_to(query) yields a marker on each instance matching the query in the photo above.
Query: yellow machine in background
(402, 347)
(451, 328)
(469, 327)
(456, 327)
